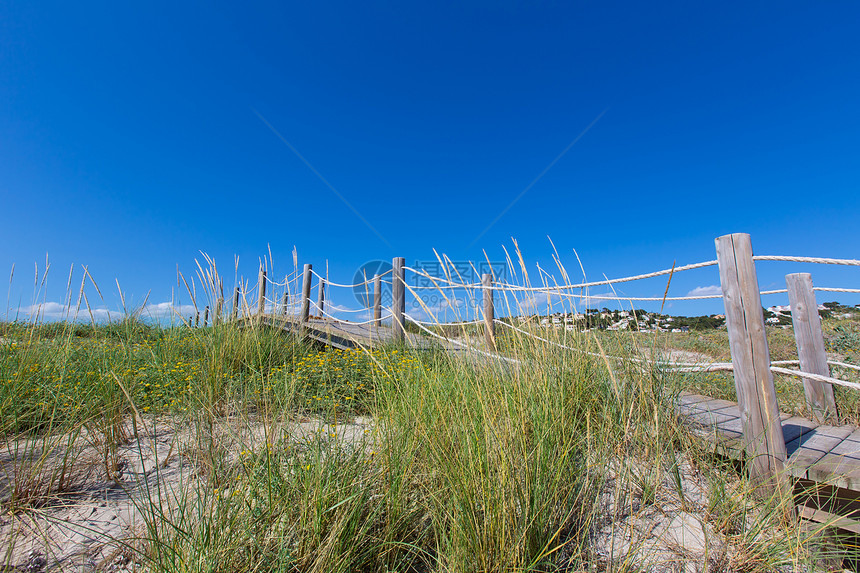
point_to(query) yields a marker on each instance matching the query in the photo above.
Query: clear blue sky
(134, 136)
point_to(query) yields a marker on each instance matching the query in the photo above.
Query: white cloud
(52, 311)
(168, 310)
(705, 291)
(59, 311)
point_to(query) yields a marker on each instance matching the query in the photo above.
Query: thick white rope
(286, 281)
(843, 365)
(436, 323)
(461, 344)
(825, 261)
(715, 367)
(681, 366)
(440, 279)
(506, 286)
(816, 377)
(497, 321)
(349, 322)
(352, 310)
(830, 289)
(336, 319)
(366, 282)
(626, 298)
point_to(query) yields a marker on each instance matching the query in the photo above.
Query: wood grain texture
(810, 345)
(321, 297)
(764, 443)
(306, 293)
(235, 312)
(261, 292)
(377, 299)
(398, 298)
(489, 311)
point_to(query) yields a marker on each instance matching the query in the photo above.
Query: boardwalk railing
(753, 370)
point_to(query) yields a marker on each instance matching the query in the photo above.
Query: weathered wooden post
(810, 345)
(321, 296)
(764, 442)
(219, 308)
(196, 319)
(261, 294)
(377, 299)
(306, 293)
(235, 314)
(398, 299)
(206, 317)
(285, 302)
(489, 311)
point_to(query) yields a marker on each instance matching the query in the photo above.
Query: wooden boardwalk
(346, 335)
(824, 458)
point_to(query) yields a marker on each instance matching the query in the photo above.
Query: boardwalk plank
(707, 418)
(687, 399)
(811, 447)
(794, 428)
(841, 465)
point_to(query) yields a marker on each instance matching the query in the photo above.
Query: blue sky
(133, 137)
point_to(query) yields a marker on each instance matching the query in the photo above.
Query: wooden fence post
(321, 296)
(285, 302)
(810, 345)
(377, 299)
(306, 293)
(764, 442)
(261, 294)
(206, 317)
(235, 313)
(219, 308)
(196, 319)
(489, 311)
(398, 299)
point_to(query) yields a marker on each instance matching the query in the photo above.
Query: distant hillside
(644, 321)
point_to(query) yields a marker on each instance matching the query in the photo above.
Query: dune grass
(457, 464)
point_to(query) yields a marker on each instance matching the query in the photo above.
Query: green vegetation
(417, 461)
(842, 342)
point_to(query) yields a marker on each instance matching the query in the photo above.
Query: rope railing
(436, 280)
(816, 377)
(353, 310)
(556, 291)
(839, 364)
(518, 288)
(437, 323)
(356, 285)
(287, 281)
(461, 344)
(350, 322)
(819, 260)
(634, 298)
(714, 365)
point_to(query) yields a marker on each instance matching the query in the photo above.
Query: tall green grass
(386, 459)
(467, 465)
